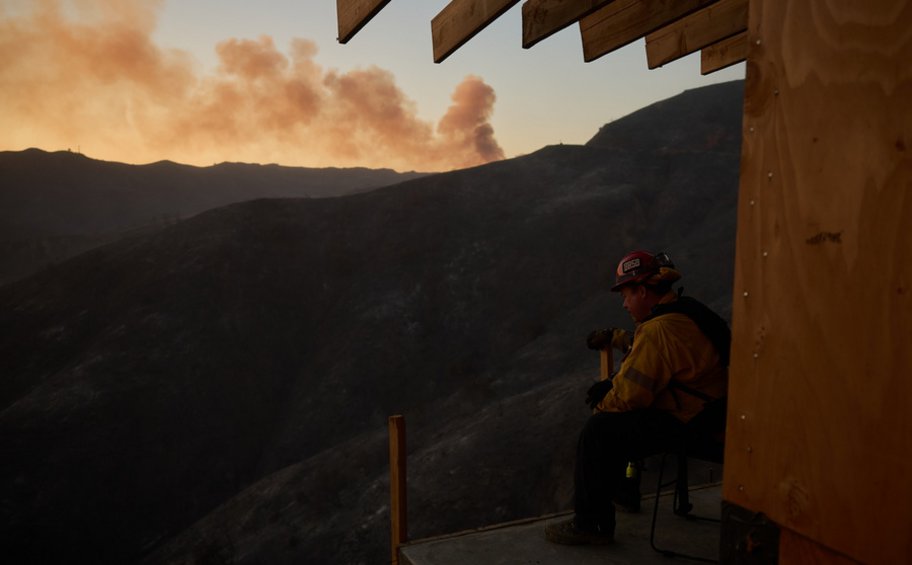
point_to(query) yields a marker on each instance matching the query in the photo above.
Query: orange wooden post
(398, 522)
(607, 363)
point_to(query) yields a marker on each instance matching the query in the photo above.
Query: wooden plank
(819, 434)
(460, 20)
(606, 363)
(696, 31)
(799, 550)
(624, 21)
(723, 54)
(352, 15)
(543, 18)
(398, 500)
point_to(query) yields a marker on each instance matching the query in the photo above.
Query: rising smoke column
(466, 125)
(87, 73)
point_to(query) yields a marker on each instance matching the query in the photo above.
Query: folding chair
(704, 439)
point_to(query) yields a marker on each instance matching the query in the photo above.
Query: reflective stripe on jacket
(667, 348)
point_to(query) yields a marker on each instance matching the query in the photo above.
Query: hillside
(56, 205)
(676, 119)
(217, 391)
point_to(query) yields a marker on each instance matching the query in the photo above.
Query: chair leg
(655, 508)
(682, 505)
(685, 499)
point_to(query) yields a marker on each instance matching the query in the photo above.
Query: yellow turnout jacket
(669, 348)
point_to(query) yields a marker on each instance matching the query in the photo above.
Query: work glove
(610, 337)
(597, 392)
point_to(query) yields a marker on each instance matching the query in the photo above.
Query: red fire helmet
(638, 266)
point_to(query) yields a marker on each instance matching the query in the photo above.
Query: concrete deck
(523, 543)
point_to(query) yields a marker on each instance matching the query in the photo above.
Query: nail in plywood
(460, 20)
(353, 14)
(624, 21)
(723, 54)
(819, 435)
(543, 18)
(696, 31)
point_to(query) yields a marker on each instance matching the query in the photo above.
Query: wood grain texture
(723, 54)
(460, 20)
(798, 550)
(543, 18)
(352, 15)
(398, 485)
(696, 31)
(624, 21)
(606, 363)
(820, 431)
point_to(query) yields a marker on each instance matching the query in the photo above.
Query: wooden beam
(460, 20)
(543, 18)
(353, 14)
(824, 217)
(606, 363)
(723, 54)
(624, 21)
(696, 31)
(398, 500)
(799, 549)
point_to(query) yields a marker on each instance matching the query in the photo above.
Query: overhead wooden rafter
(624, 21)
(543, 18)
(672, 28)
(460, 20)
(723, 54)
(352, 15)
(696, 31)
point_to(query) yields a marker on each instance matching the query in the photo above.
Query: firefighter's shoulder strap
(711, 324)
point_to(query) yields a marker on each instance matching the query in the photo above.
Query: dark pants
(608, 441)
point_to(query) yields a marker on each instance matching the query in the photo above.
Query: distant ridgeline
(56, 205)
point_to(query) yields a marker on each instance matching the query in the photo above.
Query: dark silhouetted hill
(698, 119)
(56, 205)
(218, 391)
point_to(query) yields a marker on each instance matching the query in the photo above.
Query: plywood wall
(820, 414)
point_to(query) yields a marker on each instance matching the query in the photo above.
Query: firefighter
(677, 364)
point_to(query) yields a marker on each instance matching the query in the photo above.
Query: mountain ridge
(244, 362)
(54, 205)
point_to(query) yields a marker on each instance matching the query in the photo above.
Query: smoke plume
(88, 73)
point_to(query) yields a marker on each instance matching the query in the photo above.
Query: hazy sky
(205, 81)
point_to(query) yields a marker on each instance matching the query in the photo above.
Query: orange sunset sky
(202, 82)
